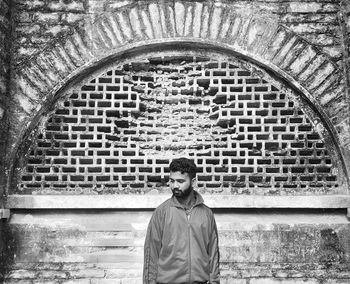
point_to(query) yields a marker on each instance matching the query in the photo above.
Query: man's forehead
(179, 174)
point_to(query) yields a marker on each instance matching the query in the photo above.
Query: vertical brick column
(344, 19)
(346, 10)
(4, 76)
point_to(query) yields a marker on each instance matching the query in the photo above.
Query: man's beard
(182, 194)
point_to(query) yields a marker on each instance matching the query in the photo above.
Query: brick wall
(91, 40)
(71, 63)
(118, 132)
(280, 247)
(4, 76)
(344, 16)
(40, 23)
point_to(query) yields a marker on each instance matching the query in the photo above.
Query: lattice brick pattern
(118, 133)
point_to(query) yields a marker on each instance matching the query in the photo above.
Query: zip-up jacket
(180, 246)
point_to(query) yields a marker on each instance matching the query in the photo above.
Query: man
(181, 244)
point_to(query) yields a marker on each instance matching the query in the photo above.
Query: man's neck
(188, 201)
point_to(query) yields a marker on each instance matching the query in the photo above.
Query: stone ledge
(152, 201)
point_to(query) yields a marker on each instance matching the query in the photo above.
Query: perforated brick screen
(118, 133)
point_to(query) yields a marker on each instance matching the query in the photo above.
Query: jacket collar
(199, 200)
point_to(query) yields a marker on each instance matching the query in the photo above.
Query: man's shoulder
(163, 206)
(206, 208)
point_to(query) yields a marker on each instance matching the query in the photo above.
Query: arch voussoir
(257, 37)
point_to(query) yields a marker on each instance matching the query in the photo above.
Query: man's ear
(194, 181)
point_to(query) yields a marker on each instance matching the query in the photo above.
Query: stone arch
(250, 35)
(247, 131)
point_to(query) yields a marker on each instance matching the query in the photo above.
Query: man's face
(180, 184)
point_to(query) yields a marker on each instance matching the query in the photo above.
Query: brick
(3, 85)
(243, 32)
(114, 30)
(115, 5)
(331, 83)
(298, 47)
(32, 29)
(233, 280)
(105, 281)
(72, 53)
(277, 43)
(300, 7)
(45, 64)
(33, 5)
(155, 19)
(26, 86)
(77, 281)
(333, 51)
(105, 38)
(197, 16)
(22, 274)
(64, 6)
(55, 30)
(259, 34)
(124, 24)
(215, 23)
(205, 21)
(343, 129)
(164, 21)
(123, 273)
(312, 68)
(47, 18)
(322, 73)
(47, 274)
(302, 60)
(188, 21)
(226, 22)
(37, 76)
(72, 18)
(135, 23)
(2, 112)
(309, 17)
(87, 273)
(284, 281)
(285, 49)
(63, 59)
(147, 23)
(180, 12)
(131, 280)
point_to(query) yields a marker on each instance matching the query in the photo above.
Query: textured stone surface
(4, 73)
(272, 247)
(118, 133)
(5, 25)
(259, 34)
(304, 43)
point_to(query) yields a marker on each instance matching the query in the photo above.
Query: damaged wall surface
(103, 94)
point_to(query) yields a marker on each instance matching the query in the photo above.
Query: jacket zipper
(188, 216)
(189, 243)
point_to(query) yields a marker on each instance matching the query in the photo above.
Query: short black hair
(184, 165)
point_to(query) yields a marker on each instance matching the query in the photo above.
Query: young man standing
(181, 244)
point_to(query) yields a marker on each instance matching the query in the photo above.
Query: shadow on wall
(8, 245)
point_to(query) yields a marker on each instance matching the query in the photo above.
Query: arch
(138, 26)
(246, 131)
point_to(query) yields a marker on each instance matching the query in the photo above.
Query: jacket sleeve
(151, 250)
(214, 254)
